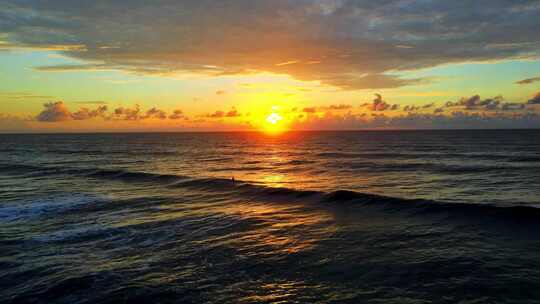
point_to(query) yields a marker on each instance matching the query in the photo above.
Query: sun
(274, 123)
(274, 118)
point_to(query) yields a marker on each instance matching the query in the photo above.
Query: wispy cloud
(286, 63)
(528, 80)
(22, 96)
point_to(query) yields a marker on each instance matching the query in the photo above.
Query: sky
(91, 66)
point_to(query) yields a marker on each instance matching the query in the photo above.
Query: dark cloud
(135, 113)
(535, 99)
(528, 81)
(378, 104)
(177, 114)
(155, 113)
(347, 44)
(58, 111)
(54, 111)
(85, 113)
(475, 102)
(123, 113)
(410, 108)
(414, 120)
(221, 114)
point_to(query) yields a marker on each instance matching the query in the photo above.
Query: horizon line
(263, 132)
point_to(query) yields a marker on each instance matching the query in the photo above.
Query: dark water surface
(314, 217)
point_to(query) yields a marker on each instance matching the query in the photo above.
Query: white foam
(35, 207)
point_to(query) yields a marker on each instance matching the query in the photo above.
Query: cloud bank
(58, 112)
(466, 112)
(350, 44)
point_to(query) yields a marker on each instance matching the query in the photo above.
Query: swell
(109, 174)
(246, 190)
(438, 167)
(525, 158)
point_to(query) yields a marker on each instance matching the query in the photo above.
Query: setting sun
(274, 123)
(274, 118)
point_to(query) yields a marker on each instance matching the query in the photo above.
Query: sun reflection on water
(283, 228)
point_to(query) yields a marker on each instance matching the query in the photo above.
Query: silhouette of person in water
(232, 180)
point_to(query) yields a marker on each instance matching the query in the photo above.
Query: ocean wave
(35, 207)
(526, 158)
(253, 190)
(436, 167)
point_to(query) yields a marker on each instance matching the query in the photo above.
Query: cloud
(54, 111)
(233, 113)
(411, 108)
(216, 114)
(85, 113)
(73, 68)
(123, 113)
(338, 107)
(528, 81)
(220, 92)
(378, 104)
(348, 44)
(22, 96)
(155, 113)
(177, 114)
(535, 99)
(414, 120)
(58, 111)
(135, 113)
(222, 114)
(309, 110)
(476, 103)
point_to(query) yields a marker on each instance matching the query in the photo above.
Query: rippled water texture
(328, 217)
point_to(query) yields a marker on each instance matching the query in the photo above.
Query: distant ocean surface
(311, 217)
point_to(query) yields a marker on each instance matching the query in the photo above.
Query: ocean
(302, 217)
